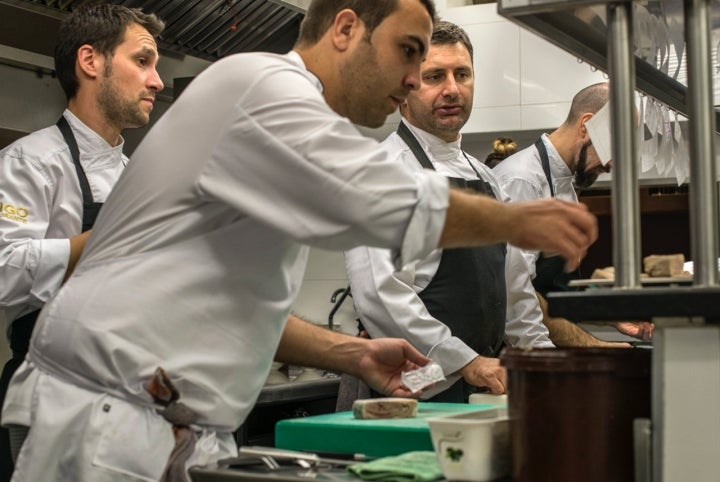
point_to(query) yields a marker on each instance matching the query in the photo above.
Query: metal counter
(287, 400)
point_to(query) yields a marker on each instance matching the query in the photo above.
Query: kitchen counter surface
(201, 474)
(299, 390)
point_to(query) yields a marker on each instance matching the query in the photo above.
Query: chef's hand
(382, 364)
(547, 225)
(642, 330)
(485, 372)
(554, 226)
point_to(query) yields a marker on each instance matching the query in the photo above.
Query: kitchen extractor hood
(207, 29)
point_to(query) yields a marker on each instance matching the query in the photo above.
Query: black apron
(22, 328)
(468, 292)
(550, 274)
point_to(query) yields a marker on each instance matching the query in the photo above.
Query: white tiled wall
(522, 82)
(324, 275)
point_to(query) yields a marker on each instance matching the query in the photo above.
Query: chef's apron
(22, 328)
(468, 291)
(550, 274)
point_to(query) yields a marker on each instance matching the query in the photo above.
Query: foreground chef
(456, 305)
(157, 347)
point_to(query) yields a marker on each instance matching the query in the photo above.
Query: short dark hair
(590, 99)
(321, 13)
(447, 33)
(102, 25)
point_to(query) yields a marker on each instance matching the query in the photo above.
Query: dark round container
(571, 412)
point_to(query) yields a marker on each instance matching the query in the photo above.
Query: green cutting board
(342, 433)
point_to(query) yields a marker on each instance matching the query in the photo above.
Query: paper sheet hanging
(599, 128)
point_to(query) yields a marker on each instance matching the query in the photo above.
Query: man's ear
(88, 61)
(582, 129)
(345, 28)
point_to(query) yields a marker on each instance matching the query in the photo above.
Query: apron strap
(417, 150)
(420, 154)
(545, 161)
(69, 137)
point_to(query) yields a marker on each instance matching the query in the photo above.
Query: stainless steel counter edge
(303, 390)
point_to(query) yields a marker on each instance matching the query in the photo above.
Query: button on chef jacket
(388, 301)
(38, 183)
(199, 252)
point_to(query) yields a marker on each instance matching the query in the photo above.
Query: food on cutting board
(389, 407)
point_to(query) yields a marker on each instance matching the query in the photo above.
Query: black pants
(19, 343)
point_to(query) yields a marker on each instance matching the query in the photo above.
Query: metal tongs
(270, 457)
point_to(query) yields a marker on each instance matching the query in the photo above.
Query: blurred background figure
(502, 147)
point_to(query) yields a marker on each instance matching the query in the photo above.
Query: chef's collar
(558, 168)
(296, 59)
(561, 175)
(437, 148)
(93, 147)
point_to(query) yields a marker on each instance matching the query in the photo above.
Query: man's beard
(583, 178)
(116, 109)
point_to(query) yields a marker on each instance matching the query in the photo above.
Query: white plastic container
(490, 399)
(472, 446)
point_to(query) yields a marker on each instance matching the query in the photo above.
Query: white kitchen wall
(324, 275)
(523, 82)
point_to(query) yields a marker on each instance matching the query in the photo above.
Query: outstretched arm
(548, 225)
(565, 333)
(378, 362)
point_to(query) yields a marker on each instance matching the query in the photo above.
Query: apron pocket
(134, 440)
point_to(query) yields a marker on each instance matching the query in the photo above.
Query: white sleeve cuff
(54, 255)
(452, 354)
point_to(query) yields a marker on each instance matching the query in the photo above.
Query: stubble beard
(117, 110)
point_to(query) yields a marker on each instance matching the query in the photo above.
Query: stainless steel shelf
(581, 30)
(646, 303)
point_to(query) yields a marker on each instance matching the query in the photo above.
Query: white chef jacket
(41, 206)
(199, 252)
(523, 179)
(386, 299)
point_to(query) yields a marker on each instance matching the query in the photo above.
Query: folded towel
(419, 466)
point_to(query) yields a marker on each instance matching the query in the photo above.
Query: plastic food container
(489, 399)
(472, 446)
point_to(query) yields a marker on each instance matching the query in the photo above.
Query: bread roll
(664, 265)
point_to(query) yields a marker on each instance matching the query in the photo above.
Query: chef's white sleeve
(31, 268)
(524, 326)
(388, 306)
(324, 184)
